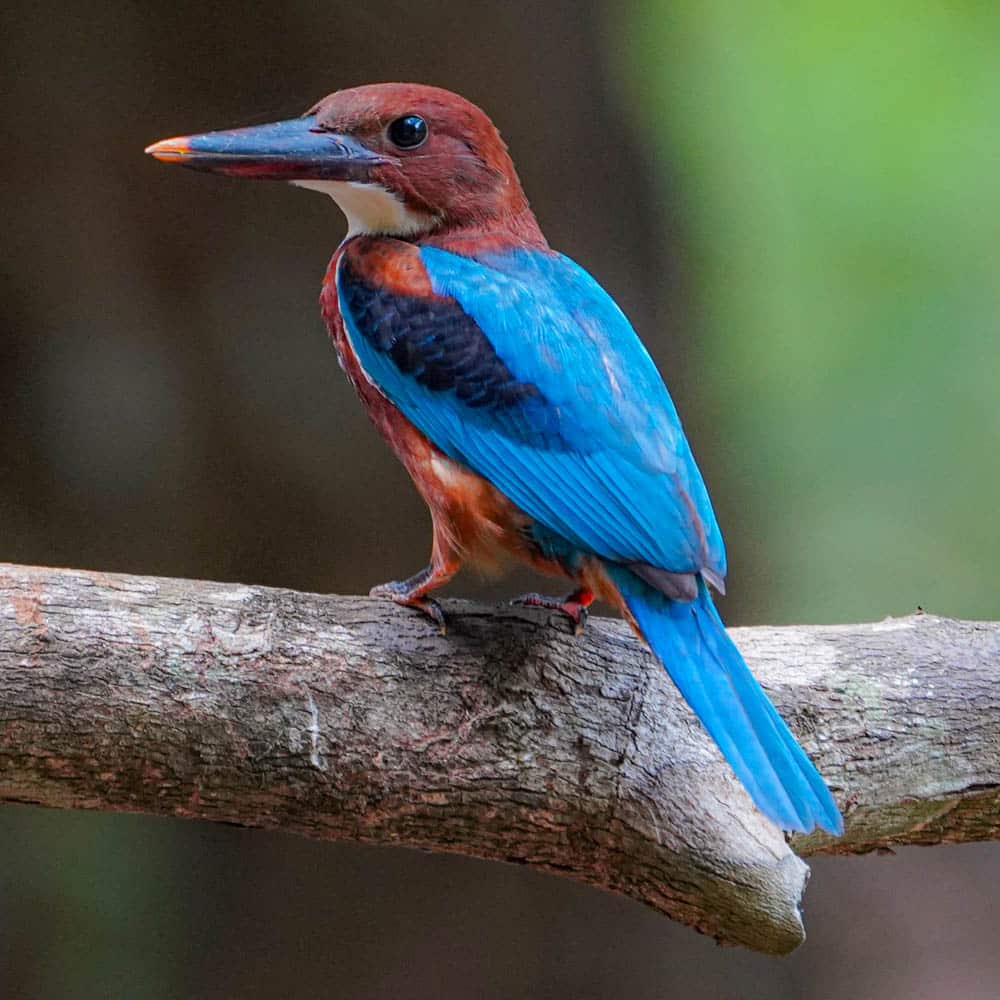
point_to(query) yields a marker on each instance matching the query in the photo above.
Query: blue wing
(522, 368)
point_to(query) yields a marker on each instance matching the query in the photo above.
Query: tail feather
(691, 641)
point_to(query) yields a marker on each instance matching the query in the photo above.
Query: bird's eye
(408, 132)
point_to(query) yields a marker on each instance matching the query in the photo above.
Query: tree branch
(348, 718)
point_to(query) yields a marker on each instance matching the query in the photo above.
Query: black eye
(408, 132)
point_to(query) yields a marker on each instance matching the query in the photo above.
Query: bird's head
(399, 159)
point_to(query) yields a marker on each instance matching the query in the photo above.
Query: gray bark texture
(349, 718)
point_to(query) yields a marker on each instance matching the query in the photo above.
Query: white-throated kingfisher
(519, 398)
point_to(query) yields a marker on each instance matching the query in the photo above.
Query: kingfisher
(523, 405)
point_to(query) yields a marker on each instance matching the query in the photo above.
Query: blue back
(595, 450)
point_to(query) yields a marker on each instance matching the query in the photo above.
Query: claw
(433, 610)
(404, 593)
(575, 606)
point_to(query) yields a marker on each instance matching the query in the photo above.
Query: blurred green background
(798, 207)
(838, 169)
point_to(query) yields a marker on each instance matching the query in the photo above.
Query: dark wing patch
(433, 340)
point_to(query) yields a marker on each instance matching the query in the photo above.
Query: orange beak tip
(169, 150)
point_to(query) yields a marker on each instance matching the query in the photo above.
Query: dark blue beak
(290, 150)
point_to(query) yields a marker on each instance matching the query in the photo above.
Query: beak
(285, 151)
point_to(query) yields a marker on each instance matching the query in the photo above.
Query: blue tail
(691, 641)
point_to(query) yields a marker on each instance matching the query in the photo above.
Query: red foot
(574, 606)
(410, 594)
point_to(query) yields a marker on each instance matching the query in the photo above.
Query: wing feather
(520, 366)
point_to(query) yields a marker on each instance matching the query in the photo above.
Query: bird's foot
(575, 606)
(410, 594)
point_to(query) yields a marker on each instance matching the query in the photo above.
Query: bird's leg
(413, 592)
(574, 606)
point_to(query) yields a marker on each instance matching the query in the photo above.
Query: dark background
(798, 210)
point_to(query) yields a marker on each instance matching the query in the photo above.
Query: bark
(349, 718)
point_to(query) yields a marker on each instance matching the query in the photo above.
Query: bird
(520, 400)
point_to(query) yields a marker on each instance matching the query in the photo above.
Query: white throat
(371, 210)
